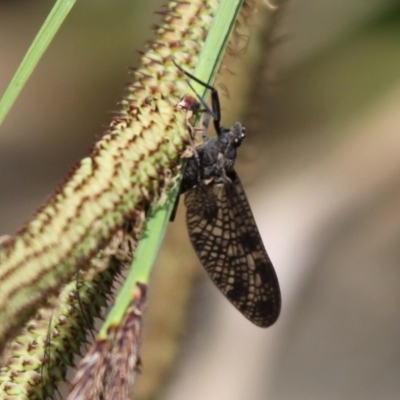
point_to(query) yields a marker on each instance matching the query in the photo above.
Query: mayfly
(221, 225)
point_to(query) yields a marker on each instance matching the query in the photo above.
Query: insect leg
(216, 107)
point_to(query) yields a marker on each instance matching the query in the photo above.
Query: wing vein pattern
(226, 239)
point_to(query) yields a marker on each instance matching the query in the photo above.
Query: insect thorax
(216, 157)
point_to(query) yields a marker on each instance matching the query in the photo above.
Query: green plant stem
(156, 224)
(44, 37)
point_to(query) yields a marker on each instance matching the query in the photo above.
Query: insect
(221, 225)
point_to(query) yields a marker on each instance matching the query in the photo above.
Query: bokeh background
(319, 91)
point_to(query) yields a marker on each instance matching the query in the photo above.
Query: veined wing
(226, 239)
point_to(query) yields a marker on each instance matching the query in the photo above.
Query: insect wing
(225, 237)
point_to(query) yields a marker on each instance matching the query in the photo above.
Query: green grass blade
(149, 246)
(42, 41)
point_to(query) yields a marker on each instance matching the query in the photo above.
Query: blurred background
(319, 91)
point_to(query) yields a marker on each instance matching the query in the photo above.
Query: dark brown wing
(225, 237)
